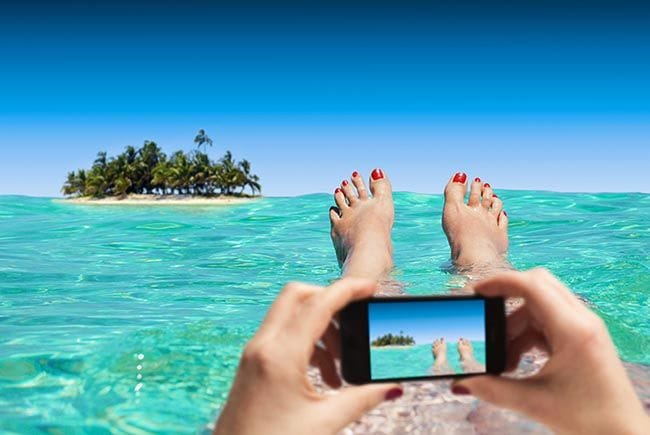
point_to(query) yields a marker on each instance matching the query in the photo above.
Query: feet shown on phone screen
(439, 352)
(467, 360)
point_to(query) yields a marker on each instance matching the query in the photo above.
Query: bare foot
(467, 360)
(465, 349)
(439, 351)
(477, 231)
(361, 226)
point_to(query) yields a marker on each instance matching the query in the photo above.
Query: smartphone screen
(411, 340)
(422, 337)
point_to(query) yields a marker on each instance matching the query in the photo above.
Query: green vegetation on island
(393, 340)
(147, 170)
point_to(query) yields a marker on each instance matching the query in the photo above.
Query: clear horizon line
(563, 192)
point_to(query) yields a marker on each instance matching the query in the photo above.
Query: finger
(578, 311)
(521, 395)
(351, 403)
(324, 361)
(314, 319)
(543, 301)
(332, 340)
(521, 344)
(286, 305)
(560, 288)
(517, 322)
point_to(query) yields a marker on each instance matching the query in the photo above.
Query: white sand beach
(161, 200)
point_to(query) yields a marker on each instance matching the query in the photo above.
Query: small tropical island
(393, 340)
(146, 175)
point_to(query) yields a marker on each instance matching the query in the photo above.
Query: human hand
(271, 393)
(583, 388)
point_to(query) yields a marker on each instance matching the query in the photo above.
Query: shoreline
(393, 346)
(160, 200)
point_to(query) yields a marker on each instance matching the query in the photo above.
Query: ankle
(365, 245)
(370, 260)
(481, 267)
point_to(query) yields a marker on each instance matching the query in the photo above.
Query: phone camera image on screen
(426, 338)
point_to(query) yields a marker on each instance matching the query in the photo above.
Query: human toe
(339, 198)
(475, 193)
(486, 193)
(348, 191)
(496, 206)
(335, 215)
(360, 185)
(456, 188)
(379, 184)
(502, 220)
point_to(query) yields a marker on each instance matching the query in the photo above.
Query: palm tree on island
(148, 170)
(393, 340)
(202, 139)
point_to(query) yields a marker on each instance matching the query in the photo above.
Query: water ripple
(86, 291)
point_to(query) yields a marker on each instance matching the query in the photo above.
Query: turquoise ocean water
(414, 361)
(131, 319)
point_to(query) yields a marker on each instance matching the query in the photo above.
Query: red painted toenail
(355, 174)
(486, 185)
(494, 195)
(344, 183)
(377, 174)
(477, 180)
(337, 190)
(504, 213)
(460, 177)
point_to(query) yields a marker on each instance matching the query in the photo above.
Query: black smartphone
(422, 337)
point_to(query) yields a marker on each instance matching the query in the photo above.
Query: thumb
(351, 403)
(515, 394)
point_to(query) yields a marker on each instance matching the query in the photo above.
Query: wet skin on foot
(477, 231)
(361, 224)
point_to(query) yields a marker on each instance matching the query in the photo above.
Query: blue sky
(528, 95)
(426, 321)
